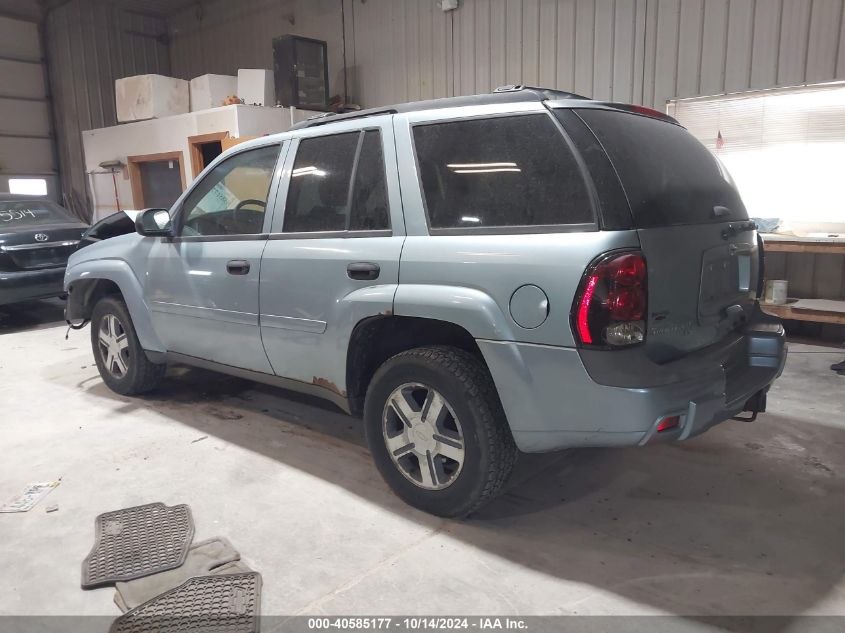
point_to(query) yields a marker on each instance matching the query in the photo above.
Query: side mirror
(154, 222)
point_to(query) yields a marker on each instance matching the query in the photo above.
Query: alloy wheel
(114, 346)
(423, 436)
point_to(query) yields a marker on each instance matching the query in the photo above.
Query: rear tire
(437, 431)
(123, 365)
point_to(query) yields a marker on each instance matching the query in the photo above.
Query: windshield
(15, 214)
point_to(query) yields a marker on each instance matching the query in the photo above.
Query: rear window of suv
(25, 213)
(513, 171)
(670, 178)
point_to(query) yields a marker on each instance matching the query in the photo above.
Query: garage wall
(21, 9)
(222, 36)
(645, 51)
(26, 144)
(90, 44)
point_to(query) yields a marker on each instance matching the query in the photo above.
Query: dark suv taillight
(610, 307)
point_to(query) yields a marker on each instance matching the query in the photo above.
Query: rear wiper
(739, 227)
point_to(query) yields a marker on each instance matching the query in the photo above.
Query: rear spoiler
(642, 111)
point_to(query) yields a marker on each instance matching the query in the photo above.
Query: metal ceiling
(163, 8)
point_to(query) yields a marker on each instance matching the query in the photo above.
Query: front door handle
(363, 271)
(237, 267)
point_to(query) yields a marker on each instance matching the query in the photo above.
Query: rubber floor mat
(211, 604)
(136, 542)
(206, 558)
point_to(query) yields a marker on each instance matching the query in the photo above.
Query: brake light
(610, 308)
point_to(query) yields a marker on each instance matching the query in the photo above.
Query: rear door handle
(363, 271)
(237, 267)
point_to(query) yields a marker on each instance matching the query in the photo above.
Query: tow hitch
(754, 405)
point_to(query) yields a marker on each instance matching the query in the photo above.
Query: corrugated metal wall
(90, 43)
(21, 9)
(644, 51)
(26, 140)
(220, 37)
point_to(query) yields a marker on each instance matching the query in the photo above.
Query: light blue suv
(522, 271)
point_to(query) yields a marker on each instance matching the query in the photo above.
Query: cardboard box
(209, 91)
(256, 87)
(150, 97)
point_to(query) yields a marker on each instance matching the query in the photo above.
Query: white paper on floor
(31, 495)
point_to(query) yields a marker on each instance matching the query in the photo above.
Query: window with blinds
(785, 148)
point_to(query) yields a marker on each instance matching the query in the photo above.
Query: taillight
(610, 308)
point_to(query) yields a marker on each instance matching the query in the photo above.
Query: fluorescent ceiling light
(469, 218)
(478, 165)
(307, 171)
(486, 171)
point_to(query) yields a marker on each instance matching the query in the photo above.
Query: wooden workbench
(818, 310)
(793, 244)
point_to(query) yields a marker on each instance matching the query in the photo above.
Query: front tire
(437, 431)
(121, 360)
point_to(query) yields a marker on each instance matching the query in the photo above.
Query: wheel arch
(378, 338)
(471, 309)
(102, 278)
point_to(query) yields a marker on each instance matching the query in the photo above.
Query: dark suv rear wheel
(122, 363)
(437, 431)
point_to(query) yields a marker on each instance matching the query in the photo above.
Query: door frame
(196, 155)
(134, 167)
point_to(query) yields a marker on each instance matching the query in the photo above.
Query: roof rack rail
(332, 117)
(502, 94)
(545, 93)
(509, 88)
(320, 115)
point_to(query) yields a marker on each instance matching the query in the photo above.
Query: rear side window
(369, 196)
(500, 172)
(670, 178)
(319, 197)
(319, 183)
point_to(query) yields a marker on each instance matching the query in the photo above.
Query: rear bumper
(552, 402)
(31, 284)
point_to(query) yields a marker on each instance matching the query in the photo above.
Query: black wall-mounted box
(301, 71)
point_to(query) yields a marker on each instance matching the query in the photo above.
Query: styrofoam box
(209, 91)
(150, 97)
(256, 87)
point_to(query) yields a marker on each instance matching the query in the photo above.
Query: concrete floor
(748, 519)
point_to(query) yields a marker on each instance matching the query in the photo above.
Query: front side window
(319, 195)
(500, 172)
(232, 198)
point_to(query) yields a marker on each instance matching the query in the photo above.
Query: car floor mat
(211, 557)
(136, 542)
(223, 603)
